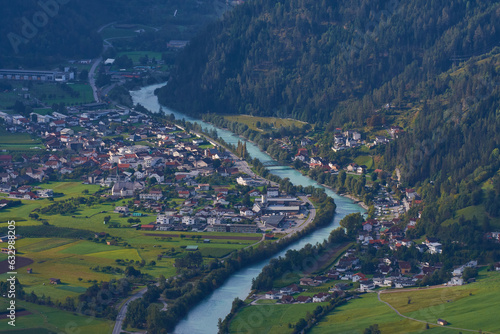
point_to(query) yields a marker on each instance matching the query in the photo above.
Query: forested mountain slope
(346, 63)
(306, 59)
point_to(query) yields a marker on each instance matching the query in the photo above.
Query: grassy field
(136, 55)
(364, 160)
(53, 321)
(49, 93)
(251, 121)
(70, 259)
(360, 313)
(18, 141)
(471, 211)
(270, 318)
(112, 32)
(468, 307)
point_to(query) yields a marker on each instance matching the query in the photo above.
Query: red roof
(5, 157)
(147, 227)
(360, 275)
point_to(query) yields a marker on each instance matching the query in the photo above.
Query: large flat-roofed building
(34, 75)
(233, 228)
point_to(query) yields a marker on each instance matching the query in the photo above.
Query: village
(353, 273)
(173, 179)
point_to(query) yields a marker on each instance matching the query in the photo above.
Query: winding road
(123, 310)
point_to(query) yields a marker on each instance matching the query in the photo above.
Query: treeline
(223, 325)
(50, 231)
(183, 292)
(307, 323)
(71, 205)
(298, 260)
(97, 301)
(344, 183)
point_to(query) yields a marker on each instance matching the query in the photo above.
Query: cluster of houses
(286, 295)
(268, 212)
(27, 192)
(125, 151)
(345, 140)
(458, 272)
(492, 236)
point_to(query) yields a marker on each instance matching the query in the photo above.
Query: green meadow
(69, 259)
(48, 92)
(251, 121)
(470, 307)
(272, 319)
(18, 142)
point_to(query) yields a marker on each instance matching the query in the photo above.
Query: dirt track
(204, 236)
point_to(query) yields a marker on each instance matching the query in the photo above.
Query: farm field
(462, 306)
(273, 319)
(251, 121)
(58, 253)
(18, 142)
(48, 93)
(136, 55)
(52, 320)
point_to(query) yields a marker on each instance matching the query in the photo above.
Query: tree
(84, 75)
(352, 223)
(469, 273)
(371, 211)
(130, 271)
(373, 329)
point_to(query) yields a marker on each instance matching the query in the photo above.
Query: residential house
(405, 267)
(366, 284)
(154, 195)
(121, 209)
(320, 297)
(287, 299)
(273, 294)
(303, 299)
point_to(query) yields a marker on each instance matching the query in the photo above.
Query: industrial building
(34, 75)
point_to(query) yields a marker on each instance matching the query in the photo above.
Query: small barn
(55, 281)
(442, 322)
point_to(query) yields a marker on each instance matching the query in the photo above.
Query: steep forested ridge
(324, 60)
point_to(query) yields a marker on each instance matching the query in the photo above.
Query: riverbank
(347, 195)
(203, 318)
(352, 197)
